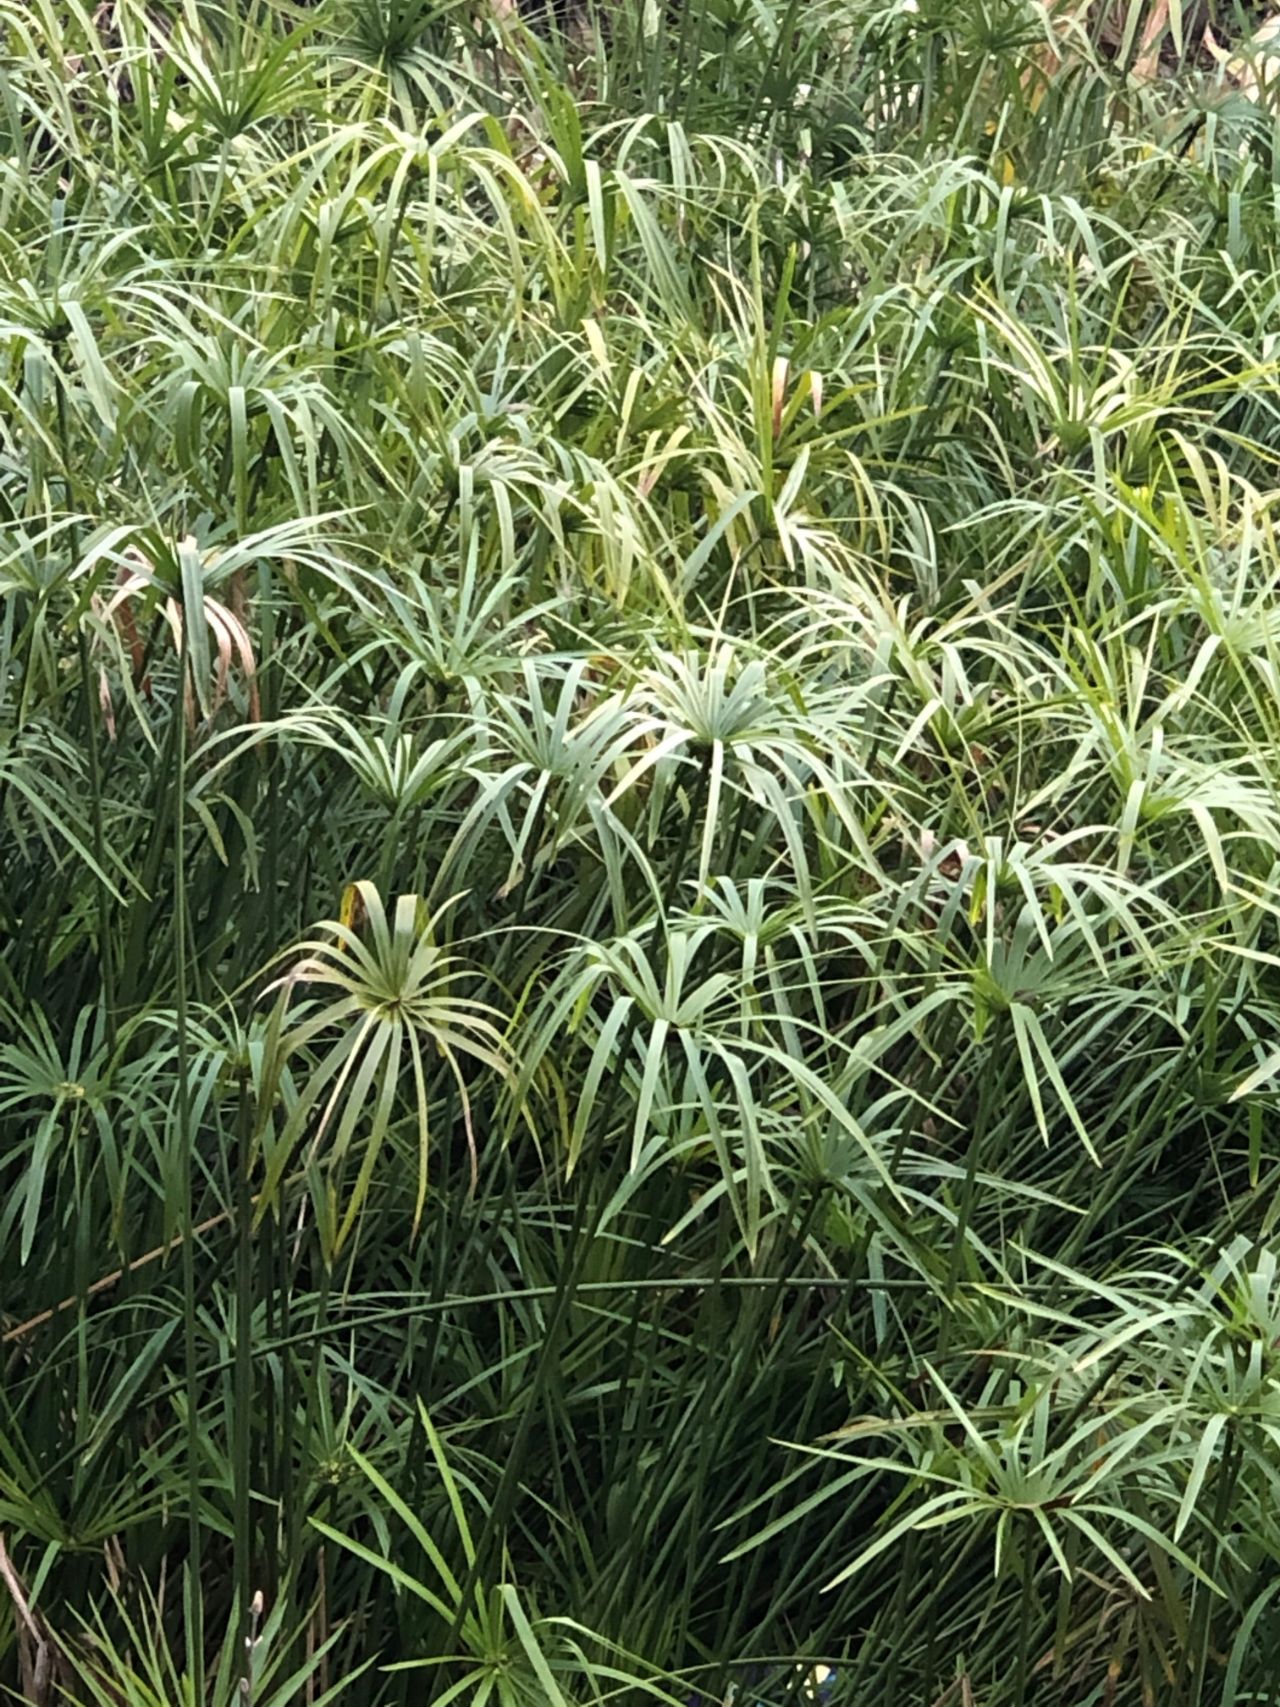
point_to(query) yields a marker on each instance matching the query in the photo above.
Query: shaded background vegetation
(638, 895)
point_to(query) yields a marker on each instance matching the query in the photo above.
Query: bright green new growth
(639, 768)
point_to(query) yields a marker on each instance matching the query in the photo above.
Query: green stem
(1022, 1670)
(186, 1141)
(242, 1385)
(1228, 1475)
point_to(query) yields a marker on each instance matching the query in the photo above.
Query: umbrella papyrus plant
(206, 620)
(386, 1004)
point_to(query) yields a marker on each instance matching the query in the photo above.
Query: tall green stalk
(188, 1185)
